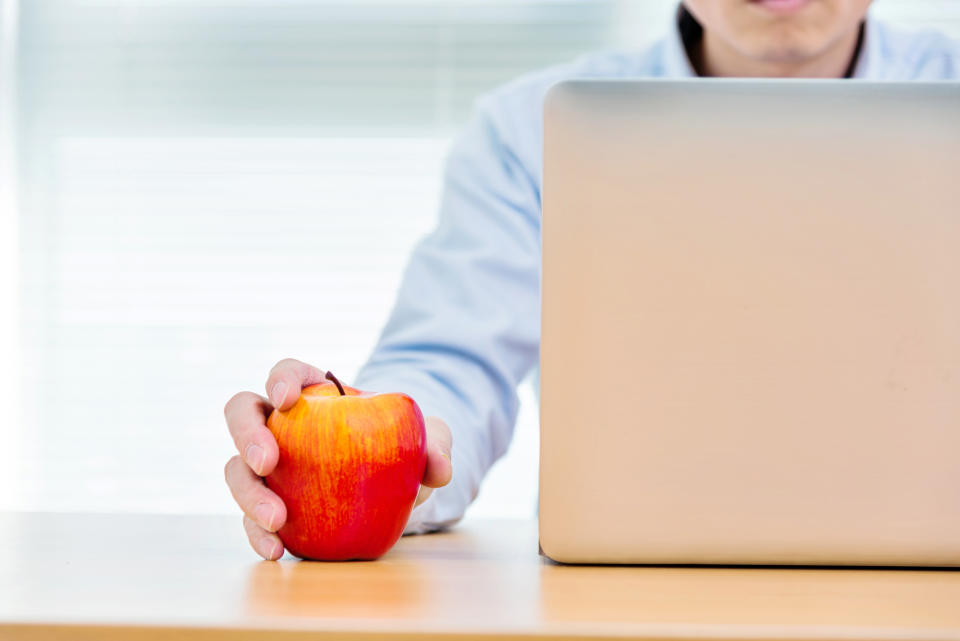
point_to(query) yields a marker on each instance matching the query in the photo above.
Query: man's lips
(781, 6)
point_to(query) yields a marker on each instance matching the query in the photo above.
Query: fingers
(256, 500)
(246, 415)
(287, 378)
(264, 543)
(439, 468)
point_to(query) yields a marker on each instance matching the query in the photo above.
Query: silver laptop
(750, 348)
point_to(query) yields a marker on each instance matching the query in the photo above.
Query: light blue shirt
(465, 329)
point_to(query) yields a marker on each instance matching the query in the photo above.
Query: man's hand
(246, 414)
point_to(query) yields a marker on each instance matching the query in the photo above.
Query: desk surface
(83, 576)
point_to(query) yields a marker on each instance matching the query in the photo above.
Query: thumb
(439, 468)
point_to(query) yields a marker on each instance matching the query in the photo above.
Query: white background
(207, 187)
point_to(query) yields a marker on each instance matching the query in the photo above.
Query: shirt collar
(676, 63)
(868, 62)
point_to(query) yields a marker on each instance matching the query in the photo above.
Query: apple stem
(331, 377)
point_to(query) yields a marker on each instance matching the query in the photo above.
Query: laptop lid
(750, 347)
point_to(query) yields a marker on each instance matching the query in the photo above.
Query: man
(465, 328)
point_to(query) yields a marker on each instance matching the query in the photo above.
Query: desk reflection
(369, 589)
(475, 578)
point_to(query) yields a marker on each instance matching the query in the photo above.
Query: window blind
(207, 186)
(211, 186)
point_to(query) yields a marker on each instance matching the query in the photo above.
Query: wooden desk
(82, 576)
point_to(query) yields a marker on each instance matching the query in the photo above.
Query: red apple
(349, 470)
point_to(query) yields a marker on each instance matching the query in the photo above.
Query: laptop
(750, 348)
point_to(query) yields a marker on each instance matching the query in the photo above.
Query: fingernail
(265, 514)
(277, 550)
(255, 457)
(278, 393)
(271, 548)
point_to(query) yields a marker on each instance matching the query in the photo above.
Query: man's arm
(466, 324)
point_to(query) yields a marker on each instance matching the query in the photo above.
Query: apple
(349, 471)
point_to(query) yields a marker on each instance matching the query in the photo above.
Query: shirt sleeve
(465, 327)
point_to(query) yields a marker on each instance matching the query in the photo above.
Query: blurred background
(191, 190)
